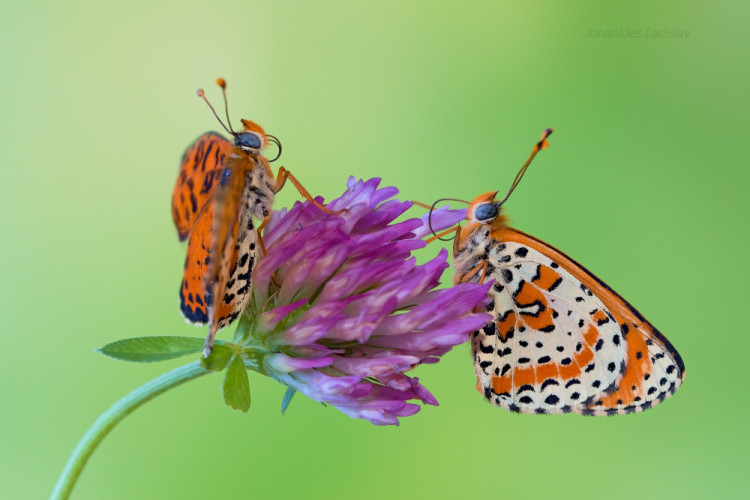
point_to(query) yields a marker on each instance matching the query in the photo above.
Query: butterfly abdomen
(257, 201)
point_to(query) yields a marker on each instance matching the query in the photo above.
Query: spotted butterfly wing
(647, 367)
(561, 339)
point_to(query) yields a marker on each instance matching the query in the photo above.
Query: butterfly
(221, 188)
(561, 339)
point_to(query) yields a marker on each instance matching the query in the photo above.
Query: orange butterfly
(562, 340)
(221, 187)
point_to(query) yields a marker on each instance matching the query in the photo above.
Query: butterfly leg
(209, 344)
(472, 272)
(281, 179)
(457, 241)
(443, 233)
(423, 205)
(263, 246)
(258, 232)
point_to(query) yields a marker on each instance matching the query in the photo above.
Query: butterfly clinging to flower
(221, 187)
(561, 339)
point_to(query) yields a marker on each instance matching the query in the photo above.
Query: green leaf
(237, 386)
(218, 359)
(150, 349)
(287, 399)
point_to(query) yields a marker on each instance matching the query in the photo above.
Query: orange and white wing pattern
(562, 340)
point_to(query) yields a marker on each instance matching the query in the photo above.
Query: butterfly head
(252, 139)
(484, 209)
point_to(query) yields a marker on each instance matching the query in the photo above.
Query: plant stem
(109, 419)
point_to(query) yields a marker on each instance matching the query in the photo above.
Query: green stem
(107, 421)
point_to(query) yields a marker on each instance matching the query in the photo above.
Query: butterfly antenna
(223, 84)
(202, 95)
(542, 144)
(432, 209)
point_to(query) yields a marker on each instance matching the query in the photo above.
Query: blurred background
(644, 183)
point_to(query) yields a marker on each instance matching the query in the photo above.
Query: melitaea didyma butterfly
(561, 339)
(221, 187)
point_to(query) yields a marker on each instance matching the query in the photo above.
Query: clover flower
(341, 310)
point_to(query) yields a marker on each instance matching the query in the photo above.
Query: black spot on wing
(552, 399)
(537, 274)
(507, 275)
(487, 349)
(193, 202)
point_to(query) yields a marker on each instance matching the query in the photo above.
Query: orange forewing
(199, 168)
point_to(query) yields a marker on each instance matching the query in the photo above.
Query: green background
(645, 183)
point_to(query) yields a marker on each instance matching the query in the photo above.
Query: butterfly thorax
(479, 235)
(259, 190)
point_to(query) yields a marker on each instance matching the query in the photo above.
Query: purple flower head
(343, 311)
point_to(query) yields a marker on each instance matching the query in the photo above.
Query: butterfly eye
(247, 140)
(486, 211)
